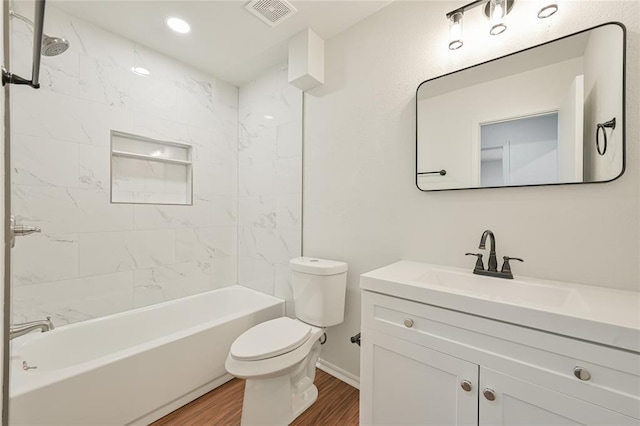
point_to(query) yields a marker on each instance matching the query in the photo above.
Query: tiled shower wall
(94, 258)
(270, 183)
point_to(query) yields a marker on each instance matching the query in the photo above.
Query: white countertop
(597, 314)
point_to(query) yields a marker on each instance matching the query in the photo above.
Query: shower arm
(38, 30)
(20, 17)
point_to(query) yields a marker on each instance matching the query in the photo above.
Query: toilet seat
(270, 339)
(274, 366)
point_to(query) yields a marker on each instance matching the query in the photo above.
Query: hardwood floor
(337, 404)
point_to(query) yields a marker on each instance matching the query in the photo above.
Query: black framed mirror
(551, 114)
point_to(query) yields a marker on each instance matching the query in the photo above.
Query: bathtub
(133, 367)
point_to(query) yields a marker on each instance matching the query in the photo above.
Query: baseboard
(339, 373)
(179, 402)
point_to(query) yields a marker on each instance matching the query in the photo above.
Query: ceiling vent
(271, 12)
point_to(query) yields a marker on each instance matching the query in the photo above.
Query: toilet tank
(319, 288)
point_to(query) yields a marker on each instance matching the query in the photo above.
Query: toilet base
(278, 401)
(271, 402)
(303, 401)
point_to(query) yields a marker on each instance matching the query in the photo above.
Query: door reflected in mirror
(526, 119)
(519, 151)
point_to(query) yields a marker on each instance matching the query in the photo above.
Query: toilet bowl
(278, 357)
(279, 387)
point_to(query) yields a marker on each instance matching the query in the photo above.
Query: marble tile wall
(269, 183)
(94, 258)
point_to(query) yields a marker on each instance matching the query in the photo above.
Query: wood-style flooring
(337, 404)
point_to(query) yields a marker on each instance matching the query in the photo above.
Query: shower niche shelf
(150, 171)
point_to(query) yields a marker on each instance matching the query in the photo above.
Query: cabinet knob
(408, 323)
(466, 385)
(489, 394)
(581, 373)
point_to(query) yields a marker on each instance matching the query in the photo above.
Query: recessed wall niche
(149, 171)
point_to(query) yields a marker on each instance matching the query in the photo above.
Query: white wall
(270, 183)
(2, 215)
(94, 258)
(360, 201)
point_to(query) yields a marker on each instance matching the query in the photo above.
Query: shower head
(54, 46)
(51, 46)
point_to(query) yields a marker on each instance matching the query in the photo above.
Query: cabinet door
(406, 384)
(518, 402)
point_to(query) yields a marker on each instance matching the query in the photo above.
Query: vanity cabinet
(427, 365)
(411, 384)
(518, 402)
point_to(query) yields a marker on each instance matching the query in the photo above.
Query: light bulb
(496, 16)
(456, 31)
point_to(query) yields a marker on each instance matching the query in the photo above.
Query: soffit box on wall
(306, 60)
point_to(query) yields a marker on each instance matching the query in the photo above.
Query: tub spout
(18, 330)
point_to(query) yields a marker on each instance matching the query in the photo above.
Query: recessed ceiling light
(140, 71)
(268, 117)
(178, 25)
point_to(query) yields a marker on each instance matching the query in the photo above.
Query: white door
(570, 133)
(406, 384)
(506, 164)
(517, 402)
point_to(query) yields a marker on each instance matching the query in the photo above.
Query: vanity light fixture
(178, 25)
(455, 31)
(548, 10)
(496, 11)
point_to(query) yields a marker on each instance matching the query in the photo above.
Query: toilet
(278, 357)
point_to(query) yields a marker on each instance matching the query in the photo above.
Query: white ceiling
(225, 41)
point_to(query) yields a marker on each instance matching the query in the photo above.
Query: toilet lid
(270, 339)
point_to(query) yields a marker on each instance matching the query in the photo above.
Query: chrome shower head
(51, 46)
(54, 46)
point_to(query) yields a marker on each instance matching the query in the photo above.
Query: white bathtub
(133, 367)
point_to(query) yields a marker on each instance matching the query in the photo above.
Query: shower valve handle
(21, 230)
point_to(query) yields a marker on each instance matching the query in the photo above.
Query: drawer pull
(489, 394)
(581, 373)
(466, 385)
(408, 323)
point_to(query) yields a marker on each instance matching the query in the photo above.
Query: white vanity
(441, 346)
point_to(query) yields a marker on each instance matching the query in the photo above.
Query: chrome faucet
(22, 329)
(492, 265)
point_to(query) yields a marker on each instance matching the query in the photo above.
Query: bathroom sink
(599, 314)
(508, 291)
